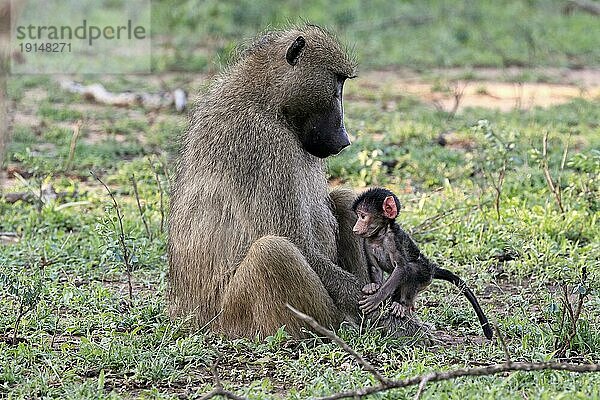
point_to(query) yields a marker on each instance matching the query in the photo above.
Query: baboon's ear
(389, 208)
(294, 51)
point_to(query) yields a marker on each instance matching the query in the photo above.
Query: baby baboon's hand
(371, 288)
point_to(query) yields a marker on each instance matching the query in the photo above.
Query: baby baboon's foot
(371, 288)
(400, 310)
(370, 303)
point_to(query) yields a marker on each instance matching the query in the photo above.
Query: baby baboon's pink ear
(389, 208)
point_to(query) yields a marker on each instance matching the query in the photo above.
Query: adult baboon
(252, 224)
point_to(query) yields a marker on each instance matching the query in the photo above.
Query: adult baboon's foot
(409, 326)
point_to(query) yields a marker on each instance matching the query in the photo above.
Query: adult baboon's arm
(342, 286)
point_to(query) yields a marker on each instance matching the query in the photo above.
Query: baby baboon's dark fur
(252, 225)
(389, 248)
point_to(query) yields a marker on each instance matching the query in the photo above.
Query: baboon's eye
(339, 82)
(341, 76)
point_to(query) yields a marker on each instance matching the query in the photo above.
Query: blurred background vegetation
(415, 34)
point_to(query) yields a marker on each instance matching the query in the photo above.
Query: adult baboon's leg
(274, 273)
(350, 253)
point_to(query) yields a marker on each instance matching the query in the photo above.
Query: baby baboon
(389, 248)
(252, 225)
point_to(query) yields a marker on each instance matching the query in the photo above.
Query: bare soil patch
(495, 92)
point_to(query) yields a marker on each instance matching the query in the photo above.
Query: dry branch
(98, 93)
(503, 344)
(335, 338)
(457, 373)
(218, 389)
(386, 384)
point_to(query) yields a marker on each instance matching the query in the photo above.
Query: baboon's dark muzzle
(342, 140)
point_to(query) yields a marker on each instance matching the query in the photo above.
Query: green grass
(80, 338)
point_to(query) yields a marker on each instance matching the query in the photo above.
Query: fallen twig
(479, 371)
(335, 338)
(457, 373)
(218, 389)
(386, 384)
(503, 344)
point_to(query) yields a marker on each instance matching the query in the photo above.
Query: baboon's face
(315, 108)
(368, 222)
(322, 132)
(363, 222)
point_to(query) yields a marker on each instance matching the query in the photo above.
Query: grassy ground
(80, 339)
(62, 270)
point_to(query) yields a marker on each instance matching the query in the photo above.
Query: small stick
(421, 380)
(334, 338)
(503, 344)
(457, 373)
(424, 381)
(137, 199)
(124, 248)
(218, 389)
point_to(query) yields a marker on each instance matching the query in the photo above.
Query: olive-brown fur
(252, 224)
